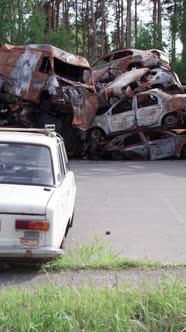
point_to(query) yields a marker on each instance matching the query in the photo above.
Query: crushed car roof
(64, 56)
(129, 51)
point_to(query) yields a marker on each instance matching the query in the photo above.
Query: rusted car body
(147, 145)
(125, 85)
(152, 108)
(115, 63)
(45, 75)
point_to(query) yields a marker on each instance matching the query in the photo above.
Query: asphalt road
(139, 206)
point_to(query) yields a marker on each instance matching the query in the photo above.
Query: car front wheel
(96, 134)
(171, 121)
(113, 100)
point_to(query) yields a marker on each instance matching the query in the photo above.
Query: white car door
(123, 116)
(149, 110)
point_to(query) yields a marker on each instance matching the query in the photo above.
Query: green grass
(89, 309)
(98, 256)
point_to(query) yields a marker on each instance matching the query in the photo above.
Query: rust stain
(28, 242)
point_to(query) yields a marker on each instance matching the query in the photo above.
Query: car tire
(96, 134)
(171, 121)
(113, 100)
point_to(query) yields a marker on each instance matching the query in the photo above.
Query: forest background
(93, 28)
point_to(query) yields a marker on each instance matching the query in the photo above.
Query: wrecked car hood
(121, 86)
(127, 78)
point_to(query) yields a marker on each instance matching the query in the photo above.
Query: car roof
(76, 60)
(29, 137)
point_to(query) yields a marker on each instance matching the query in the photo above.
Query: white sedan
(149, 109)
(37, 193)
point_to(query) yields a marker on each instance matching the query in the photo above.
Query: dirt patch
(32, 279)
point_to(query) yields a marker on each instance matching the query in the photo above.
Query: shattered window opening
(122, 54)
(46, 65)
(132, 140)
(153, 135)
(123, 106)
(146, 100)
(68, 71)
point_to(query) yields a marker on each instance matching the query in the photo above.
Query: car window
(154, 135)
(65, 156)
(25, 164)
(61, 162)
(146, 100)
(45, 65)
(122, 54)
(68, 71)
(132, 140)
(123, 106)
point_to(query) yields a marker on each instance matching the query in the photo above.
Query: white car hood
(24, 199)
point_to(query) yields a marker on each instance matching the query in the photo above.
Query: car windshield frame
(11, 170)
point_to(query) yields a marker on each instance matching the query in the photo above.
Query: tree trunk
(122, 25)
(76, 24)
(136, 23)
(118, 30)
(183, 34)
(159, 20)
(128, 27)
(83, 26)
(93, 28)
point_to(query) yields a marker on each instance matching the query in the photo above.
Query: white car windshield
(25, 164)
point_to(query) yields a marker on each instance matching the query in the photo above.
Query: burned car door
(21, 76)
(135, 147)
(149, 109)
(41, 78)
(123, 116)
(161, 145)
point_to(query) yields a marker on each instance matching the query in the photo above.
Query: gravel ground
(33, 279)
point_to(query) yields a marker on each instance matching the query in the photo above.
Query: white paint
(21, 75)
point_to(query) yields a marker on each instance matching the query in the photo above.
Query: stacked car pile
(125, 94)
(139, 91)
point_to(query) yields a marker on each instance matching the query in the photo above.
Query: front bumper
(40, 253)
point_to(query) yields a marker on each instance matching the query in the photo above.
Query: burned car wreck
(141, 144)
(42, 84)
(152, 108)
(107, 68)
(46, 77)
(125, 85)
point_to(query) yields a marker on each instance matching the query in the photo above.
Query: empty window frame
(155, 135)
(146, 100)
(123, 106)
(45, 65)
(132, 140)
(68, 71)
